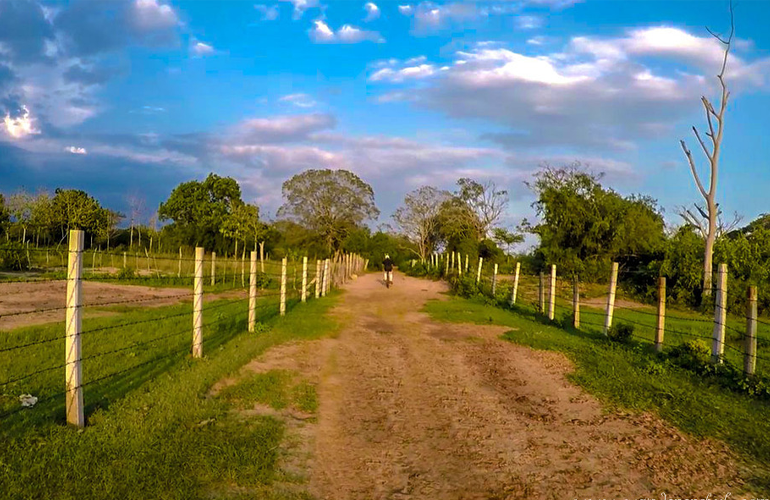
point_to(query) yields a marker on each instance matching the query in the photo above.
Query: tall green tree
(5, 215)
(76, 209)
(486, 200)
(199, 209)
(418, 218)
(584, 226)
(328, 202)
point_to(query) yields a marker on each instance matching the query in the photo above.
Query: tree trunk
(709, 253)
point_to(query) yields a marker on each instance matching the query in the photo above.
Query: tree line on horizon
(581, 226)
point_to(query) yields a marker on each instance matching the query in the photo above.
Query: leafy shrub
(620, 332)
(126, 273)
(464, 286)
(693, 354)
(13, 257)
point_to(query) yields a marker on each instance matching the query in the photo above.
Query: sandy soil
(23, 297)
(413, 409)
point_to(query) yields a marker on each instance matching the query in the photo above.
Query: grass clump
(620, 332)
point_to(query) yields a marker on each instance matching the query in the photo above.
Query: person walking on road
(387, 267)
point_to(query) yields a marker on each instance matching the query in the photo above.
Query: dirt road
(413, 409)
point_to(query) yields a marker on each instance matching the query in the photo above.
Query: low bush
(621, 332)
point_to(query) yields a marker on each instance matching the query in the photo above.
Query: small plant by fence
(105, 355)
(731, 340)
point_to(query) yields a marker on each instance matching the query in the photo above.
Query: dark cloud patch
(92, 28)
(109, 179)
(24, 30)
(7, 78)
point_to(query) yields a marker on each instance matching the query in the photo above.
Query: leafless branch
(695, 175)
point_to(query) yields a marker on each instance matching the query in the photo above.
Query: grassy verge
(156, 433)
(635, 378)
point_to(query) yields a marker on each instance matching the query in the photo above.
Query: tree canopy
(583, 226)
(330, 203)
(418, 218)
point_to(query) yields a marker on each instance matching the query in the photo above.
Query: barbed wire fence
(123, 346)
(733, 336)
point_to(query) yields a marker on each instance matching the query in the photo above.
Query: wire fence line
(734, 336)
(140, 336)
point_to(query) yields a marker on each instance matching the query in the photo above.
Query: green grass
(275, 388)
(635, 378)
(153, 432)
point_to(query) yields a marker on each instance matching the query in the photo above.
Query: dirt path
(412, 409)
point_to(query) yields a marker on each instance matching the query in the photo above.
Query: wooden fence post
(317, 278)
(304, 279)
(478, 273)
(283, 287)
(262, 257)
(459, 265)
(661, 330)
(552, 297)
(575, 303)
(124, 260)
(72, 346)
(494, 281)
(179, 270)
(213, 268)
(253, 292)
(325, 287)
(446, 272)
(541, 293)
(467, 262)
(452, 265)
(611, 298)
(197, 347)
(720, 317)
(750, 356)
(243, 266)
(515, 290)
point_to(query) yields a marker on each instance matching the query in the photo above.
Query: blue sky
(130, 98)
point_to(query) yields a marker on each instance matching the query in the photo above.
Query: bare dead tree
(715, 134)
(136, 207)
(699, 220)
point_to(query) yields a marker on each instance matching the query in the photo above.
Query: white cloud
(76, 150)
(594, 94)
(322, 33)
(372, 11)
(300, 6)
(269, 13)
(287, 128)
(529, 22)
(406, 73)
(299, 100)
(406, 10)
(201, 49)
(151, 15)
(537, 40)
(21, 125)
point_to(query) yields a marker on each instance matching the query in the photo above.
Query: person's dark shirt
(387, 264)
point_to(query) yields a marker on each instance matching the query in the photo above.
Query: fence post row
(750, 356)
(720, 317)
(552, 297)
(575, 303)
(515, 283)
(661, 330)
(253, 292)
(197, 347)
(72, 345)
(611, 298)
(283, 287)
